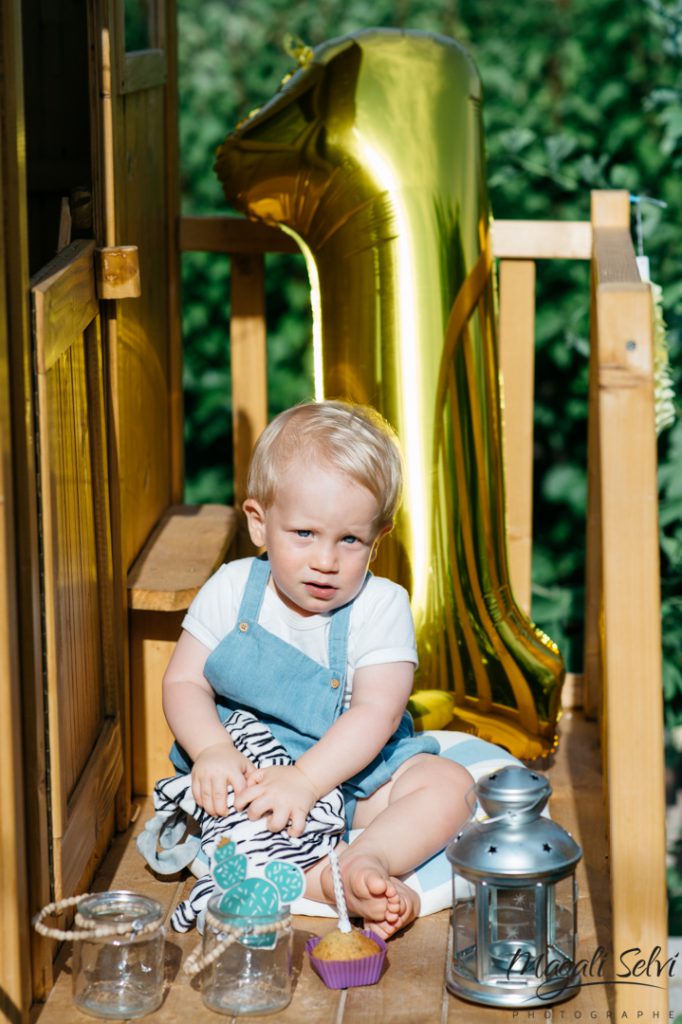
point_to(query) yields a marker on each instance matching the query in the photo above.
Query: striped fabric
(176, 812)
(175, 805)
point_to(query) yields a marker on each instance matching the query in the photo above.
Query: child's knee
(455, 785)
(457, 775)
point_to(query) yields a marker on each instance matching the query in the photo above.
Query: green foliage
(579, 94)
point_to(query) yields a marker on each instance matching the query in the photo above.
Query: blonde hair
(353, 439)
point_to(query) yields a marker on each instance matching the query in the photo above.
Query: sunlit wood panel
(81, 658)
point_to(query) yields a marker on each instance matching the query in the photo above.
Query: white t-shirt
(380, 630)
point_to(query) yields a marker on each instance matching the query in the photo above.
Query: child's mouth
(320, 589)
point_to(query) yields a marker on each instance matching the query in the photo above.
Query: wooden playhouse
(99, 557)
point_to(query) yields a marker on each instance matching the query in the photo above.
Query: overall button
(335, 683)
(243, 626)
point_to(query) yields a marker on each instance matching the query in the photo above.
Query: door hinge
(117, 271)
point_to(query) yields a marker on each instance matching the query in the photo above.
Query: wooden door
(146, 376)
(82, 654)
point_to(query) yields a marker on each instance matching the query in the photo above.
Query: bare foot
(385, 903)
(401, 908)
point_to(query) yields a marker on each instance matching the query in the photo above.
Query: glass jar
(118, 976)
(248, 961)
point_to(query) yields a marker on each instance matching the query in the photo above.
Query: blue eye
(304, 533)
(349, 539)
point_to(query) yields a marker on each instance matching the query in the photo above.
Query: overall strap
(338, 638)
(254, 591)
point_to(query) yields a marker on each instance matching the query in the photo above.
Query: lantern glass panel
(561, 932)
(512, 928)
(464, 930)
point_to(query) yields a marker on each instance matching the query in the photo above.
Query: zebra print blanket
(181, 834)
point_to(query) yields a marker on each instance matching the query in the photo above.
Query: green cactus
(246, 898)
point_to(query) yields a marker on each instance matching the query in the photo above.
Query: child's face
(319, 534)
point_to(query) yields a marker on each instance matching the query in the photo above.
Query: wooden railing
(246, 242)
(622, 666)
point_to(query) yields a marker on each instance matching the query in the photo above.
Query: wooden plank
(249, 364)
(65, 300)
(592, 655)
(629, 611)
(70, 579)
(144, 70)
(632, 630)
(542, 239)
(613, 259)
(412, 989)
(577, 804)
(33, 883)
(86, 834)
(168, 38)
(153, 636)
(14, 935)
(232, 235)
(187, 545)
(104, 215)
(83, 667)
(142, 357)
(517, 364)
(610, 208)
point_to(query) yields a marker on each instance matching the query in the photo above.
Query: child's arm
(189, 707)
(380, 695)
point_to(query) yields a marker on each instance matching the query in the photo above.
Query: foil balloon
(371, 156)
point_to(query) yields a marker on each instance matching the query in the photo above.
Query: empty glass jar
(118, 976)
(248, 961)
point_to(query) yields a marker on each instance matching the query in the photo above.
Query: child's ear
(255, 519)
(377, 540)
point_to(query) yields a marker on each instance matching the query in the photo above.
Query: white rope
(195, 962)
(339, 895)
(89, 929)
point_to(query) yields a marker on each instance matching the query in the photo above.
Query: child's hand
(215, 768)
(283, 793)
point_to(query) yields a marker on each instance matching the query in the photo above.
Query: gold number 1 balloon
(371, 156)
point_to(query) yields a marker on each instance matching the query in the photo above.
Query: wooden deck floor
(412, 989)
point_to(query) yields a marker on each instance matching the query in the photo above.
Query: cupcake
(346, 956)
(345, 959)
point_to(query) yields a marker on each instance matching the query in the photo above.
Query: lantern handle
(510, 814)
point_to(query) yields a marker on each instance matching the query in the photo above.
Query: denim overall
(296, 697)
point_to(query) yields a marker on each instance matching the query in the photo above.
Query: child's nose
(324, 558)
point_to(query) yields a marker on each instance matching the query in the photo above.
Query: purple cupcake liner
(349, 973)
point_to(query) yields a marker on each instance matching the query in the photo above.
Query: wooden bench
(185, 548)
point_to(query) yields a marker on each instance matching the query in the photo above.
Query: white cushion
(432, 880)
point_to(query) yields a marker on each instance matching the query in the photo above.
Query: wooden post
(249, 369)
(25, 958)
(609, 210)
(517, 363)
(110, 351)
(632, 671)
(177, 458)
(14, 936)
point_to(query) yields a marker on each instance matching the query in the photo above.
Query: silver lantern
(514, 923)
